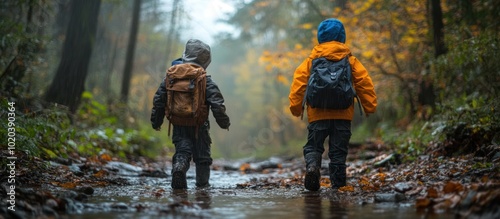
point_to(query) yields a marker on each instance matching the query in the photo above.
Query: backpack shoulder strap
(353, 87)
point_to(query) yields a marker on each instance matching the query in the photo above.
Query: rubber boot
(179, 170)
(337, 175)
(202, 175)
(313, 175)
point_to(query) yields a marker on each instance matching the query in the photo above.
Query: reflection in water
(203, 198)
(338, 209)
(313, 206)
(180, 195)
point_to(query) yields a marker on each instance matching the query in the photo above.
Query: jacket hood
(197, 52)
(332, 50)
(331, 30)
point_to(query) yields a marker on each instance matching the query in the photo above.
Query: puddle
(149, 197)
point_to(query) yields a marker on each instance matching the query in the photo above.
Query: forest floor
(465, 186)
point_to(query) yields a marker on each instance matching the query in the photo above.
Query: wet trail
(377, 187)
(151, 197)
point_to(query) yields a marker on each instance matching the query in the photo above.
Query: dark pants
(339, 132)
(188, 144)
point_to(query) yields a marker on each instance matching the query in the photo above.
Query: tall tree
(129, 60)
(68, 83)
(437, 27)
(172, 30)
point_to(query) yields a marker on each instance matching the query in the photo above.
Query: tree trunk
(171, 31)
(69, 81)
(438, 26)
(129, 60)
(426, 96)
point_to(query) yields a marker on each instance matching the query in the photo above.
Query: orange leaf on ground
(347, 188)
(452, 187)
(325, 182)
(484, 179)
(432, 193)
(381, 177)
(422, 202)
(244, 167)
(101, 173)
(68, 185)
(105, 157)
(364, 181)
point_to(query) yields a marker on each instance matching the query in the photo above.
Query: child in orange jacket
(332, 123)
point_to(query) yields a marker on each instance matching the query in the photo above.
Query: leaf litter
(465, 185)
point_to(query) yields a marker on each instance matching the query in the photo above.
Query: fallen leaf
(422, 203)
(347, 188)
(485, 179)
(432, 193)
(363, 181)
(381, 177)
(100, 173)
(325, 182)
(68, 185)
(452, 187)
(244, 167)
(105, 157)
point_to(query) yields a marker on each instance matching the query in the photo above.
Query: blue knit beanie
(331, 29)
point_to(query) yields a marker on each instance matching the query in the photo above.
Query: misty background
(256, 46)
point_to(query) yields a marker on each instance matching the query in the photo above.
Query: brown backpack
(186, 88)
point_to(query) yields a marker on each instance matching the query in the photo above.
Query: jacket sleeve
(298, 87)
(215, 101)
(159, 102)
(364, 86)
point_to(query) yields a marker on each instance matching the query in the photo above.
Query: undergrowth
(95, 129)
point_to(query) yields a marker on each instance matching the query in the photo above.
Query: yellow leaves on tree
(363, 7)
(390, 39)
(307, 26)
(282, 62)
(282, 79)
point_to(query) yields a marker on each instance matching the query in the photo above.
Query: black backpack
(330, 85)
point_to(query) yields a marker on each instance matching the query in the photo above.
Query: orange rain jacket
(363, 84)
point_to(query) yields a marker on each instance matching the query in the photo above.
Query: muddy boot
(313, 175)
(337, 175)
(179, 170)
(202, 175)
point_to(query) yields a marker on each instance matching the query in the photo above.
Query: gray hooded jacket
(198, 53)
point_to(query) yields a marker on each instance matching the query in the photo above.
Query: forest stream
(379, 186)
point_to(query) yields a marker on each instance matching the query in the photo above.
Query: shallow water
(148, 197)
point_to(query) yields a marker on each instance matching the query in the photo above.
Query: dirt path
(463, 186)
